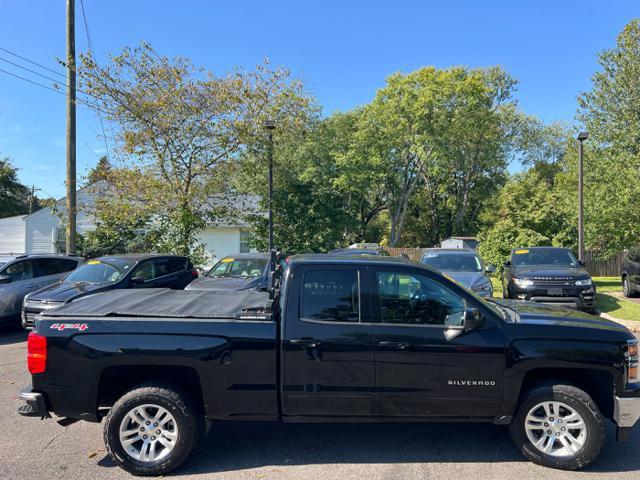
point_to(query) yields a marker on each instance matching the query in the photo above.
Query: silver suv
(22, 274)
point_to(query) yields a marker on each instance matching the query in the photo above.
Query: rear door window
(53, 266)
(18, 271)
(167, 266)
(331, 295)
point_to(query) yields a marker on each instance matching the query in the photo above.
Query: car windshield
(453, 262)
(544, 256)
(96, 271)
(239, 267)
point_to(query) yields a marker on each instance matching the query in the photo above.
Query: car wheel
(558, 426)
(626, 288)
(151, 430)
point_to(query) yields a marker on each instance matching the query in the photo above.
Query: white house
(43, 231)
(459, 242)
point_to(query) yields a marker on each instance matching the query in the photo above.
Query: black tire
(627, 289)
(579, 401)
(189, 425)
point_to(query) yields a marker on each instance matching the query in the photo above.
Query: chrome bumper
(626, 411)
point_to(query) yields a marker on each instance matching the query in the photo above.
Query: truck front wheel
(151, 430)
(558, 426)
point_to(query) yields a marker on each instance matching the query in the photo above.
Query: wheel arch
(599, 384)
(115, 381)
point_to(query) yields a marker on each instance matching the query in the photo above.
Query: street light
(270, 125)
(582, 136)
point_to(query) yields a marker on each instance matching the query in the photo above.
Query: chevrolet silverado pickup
(339, 339)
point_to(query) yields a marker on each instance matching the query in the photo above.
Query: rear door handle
(305, 342)
(396, 345)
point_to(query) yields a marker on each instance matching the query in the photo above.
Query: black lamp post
(582, 136)
(270, 125)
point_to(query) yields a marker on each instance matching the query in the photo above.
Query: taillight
(631, 355)
(36, 353)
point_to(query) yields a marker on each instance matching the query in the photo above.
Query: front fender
(527, 356)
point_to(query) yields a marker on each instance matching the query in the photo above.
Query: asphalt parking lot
(34, 449)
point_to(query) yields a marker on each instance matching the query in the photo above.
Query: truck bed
(163, 302)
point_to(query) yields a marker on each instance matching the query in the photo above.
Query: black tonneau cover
(163, 302)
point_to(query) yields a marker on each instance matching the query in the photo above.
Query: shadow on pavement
(11, 335)
(240, 446)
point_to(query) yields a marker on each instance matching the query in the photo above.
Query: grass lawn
(616, 306)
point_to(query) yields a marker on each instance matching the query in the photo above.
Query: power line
(91, 50)
(32, 71)
(32, 62)
(51, 88)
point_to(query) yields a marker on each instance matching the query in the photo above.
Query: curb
(631, 325)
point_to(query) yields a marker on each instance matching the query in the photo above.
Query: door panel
(425, 364)
(328, 363)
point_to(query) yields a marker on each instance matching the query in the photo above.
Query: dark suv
(548, 275)
(110, 273)
(631, 273)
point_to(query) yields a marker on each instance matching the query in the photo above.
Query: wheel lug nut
(158, 432)
(563, 429)
(551, 419)
(549, 432)
(155, 424)
(144, 436)
(142, 429)
(153, 438)
(546, 424)
(149, 423)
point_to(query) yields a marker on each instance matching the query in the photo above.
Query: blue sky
(342, 51)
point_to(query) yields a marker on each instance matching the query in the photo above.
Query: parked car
(463, 265)
(550, 275)
(108, 273)
(631, 273)
(346, 339)
(241, 271)
(360, 251)
(22, 274)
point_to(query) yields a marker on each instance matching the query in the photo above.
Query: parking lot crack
(54, 438)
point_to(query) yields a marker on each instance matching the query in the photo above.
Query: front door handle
(396, 345)
(305, 342)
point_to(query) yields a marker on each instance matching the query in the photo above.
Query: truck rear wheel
(558, 426)
(152, 429)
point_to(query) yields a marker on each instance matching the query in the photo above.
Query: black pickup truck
(342, 339)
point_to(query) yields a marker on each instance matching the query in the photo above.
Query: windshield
(95, 271)
(239, 267)
(544, 256)
(453, 262)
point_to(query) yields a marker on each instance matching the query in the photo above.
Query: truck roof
(349, 259)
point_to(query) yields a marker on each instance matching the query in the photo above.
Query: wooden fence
(604, 268)
(598, 268)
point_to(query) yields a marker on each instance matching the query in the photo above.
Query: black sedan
(109, 273)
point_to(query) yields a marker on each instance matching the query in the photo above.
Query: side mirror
(5, 279)
(472, 319)
(581, 263)
(490, 269)
(137, 280)
(507, 264)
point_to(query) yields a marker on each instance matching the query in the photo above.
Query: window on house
(244, 241)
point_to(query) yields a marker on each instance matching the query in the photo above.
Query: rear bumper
(34, 405)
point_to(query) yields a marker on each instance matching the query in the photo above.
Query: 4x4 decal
(69, 326)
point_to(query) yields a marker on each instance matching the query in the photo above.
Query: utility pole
(270, 125)
(582, 136)
(32, 198)
(71, 129)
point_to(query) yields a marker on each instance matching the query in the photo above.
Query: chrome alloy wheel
(148, 433)
(556, 429)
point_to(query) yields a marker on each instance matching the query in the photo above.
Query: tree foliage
(180, 132)
(15, 197)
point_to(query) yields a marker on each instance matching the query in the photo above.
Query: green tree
(610, 112)
(100, 171)
(14, 196)
(182, 130)
(447, 134)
